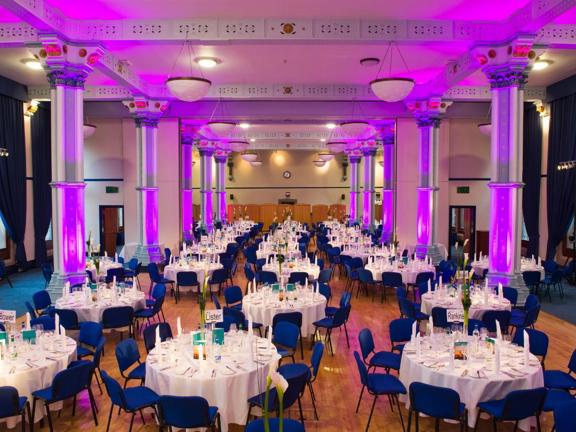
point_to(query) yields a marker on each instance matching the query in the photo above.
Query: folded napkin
(498, 331)
(62, 331)
(526, 349)
(157, 339)
(413, 338)
(27, 320)
(497, 360)
(56, 322)
(431, 325)
(179, 326)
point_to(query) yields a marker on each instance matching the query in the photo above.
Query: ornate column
(221, 158)
(354, 157)
(67, 68)
(186, 190)
(146, 116)
(507, 71)
(207, 150)
(428, 114)
(368, 149)
(388, 187)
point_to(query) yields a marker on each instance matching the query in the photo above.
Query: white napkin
(56, 322)
(306, 283)
(105, 254)
(270, 334)
(413, 337)
(315, 260)
(440, 281)
(497, 357)
(418, 348)
(474, 256)
(158, 340)
(62, 331)
(115, 257)
(254, 284)
(451, 357)
(317, 288)
(498, 331)
(250, 329)
(500, 292)
(431, 325)
(429, 286)
(27, 320)
(486, 284)
(526, 349)
(539, 262)
(179, 326)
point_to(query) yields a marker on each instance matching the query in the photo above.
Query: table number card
(7, 316)
(455, 315)
(214, 316)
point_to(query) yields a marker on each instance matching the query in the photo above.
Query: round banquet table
(227, 384)
(104, 266)
(480, 266)
(207, 249)
(479, 306)
(92, 311)
(409, 272)
(263, 306)
(200, 268)
(476, 381)
(269, 250)
(35, 367)
(290, 267)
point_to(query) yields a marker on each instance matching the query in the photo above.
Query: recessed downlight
(370, 61)
(541, 64)
(244, 125)
(207, 62)
(32, 64)
(330, 125)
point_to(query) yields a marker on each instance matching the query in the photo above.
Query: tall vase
(465, 330)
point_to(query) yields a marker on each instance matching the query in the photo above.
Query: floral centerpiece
(281, 386)
(202, 303)
(465, 281)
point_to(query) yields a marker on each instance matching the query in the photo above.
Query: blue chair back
(133, 265)
(216, 301)
(365, 276)
(267, 277)
(341, 316)
(186, 278)
(115, 391)
(218, 276)
(154, 273)
(520, 404)
(298, 277)
(400, 330)
(291, 317)
(159, 290)
(71, 381)
(31, 310)
(117, 317)
(68, 318)
(315, 358)
(538, 341)
(572, 362)
(167, 254)
(550, 266)
(531, 278)
(392, 279)
(248, 272)
(401, 292)
(9, 402)
(361, 369)
(127, 354)
(356, 263)
(296, 384)
(184, 411)
(564, 416)
(115, 272)
(326, 291)
(47, 272)
(47, 322)
(424, 278)
(438, 402)
(90, 333)
(502, 316)
(440, 318)
(286, 334)
(345, 299)
(41, 299)
(423, 288)
(325, 275)
(366, 343)
(510, 294)
(233, 294)
(149, 334)
(406, 308)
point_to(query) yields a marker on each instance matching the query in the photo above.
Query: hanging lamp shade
(319, 163)
(188, 89)
(336, 147)
(357, 129)
(239, 146)
(256, 163)
(249, 156)
(326, 157)
(392, 89)
(89, 130)
(485, 128)
(221, 129)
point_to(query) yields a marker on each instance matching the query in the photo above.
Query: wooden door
(110, 227)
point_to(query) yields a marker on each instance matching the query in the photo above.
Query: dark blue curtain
(560, 190)
(41, 171)
(13, 173)
(531, 172)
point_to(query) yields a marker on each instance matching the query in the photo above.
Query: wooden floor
(337, 387)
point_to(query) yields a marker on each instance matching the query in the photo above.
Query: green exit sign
(112, 189)
(463, 189)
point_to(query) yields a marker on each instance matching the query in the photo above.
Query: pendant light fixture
(392, 88)
(319, 163)
(239, 146)
(250, 156)
(325, 156)
(336, 146)
(357, 129)
(486, 127)
(188, 88)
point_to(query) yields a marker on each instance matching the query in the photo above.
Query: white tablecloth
(434, 369)
(35, 369)
(311, 306)
(430, 301)
(227, 384)
(290, 267)
(103, 269)
(93, 311)
(409, 273)
(200, 268)
(480, 266)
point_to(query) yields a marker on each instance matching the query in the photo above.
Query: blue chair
(285, 337)
(117, 273)
(68, 318)
(130, 400)
(561, 380)
(400, 331)
(31, 310)
(150, 313)
(516, 406)
(436, 402)
(12, 404)
(47, 271)
(218, 277)
(554, 280)
(288, 425)
(156, 277)
(555, 398)
(440, 317)
(96, 357)
(532, 280)
(502, 316)
(128, 355)
(46, 321)
(423, 278)
(298, 278)
(249, 274)
(409, 310)
(376, 359)
(527, 319)
(345, 300)
(325, 290)
(291, 317)
(331, 323)
(510, 294)
(66, 384)
(158, 291)
(42, 302)
(538, 342)
(267, 277)
(149, 334)
(167, 255)
(564, 417)
(90, 336)
(187, 412)
(186, 279)
(233, 297)
(118, 318)
(324, 276)
(391, 280)
(379, 384)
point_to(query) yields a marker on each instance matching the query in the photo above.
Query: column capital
(428, 112)
(146, 112)
(369, 148)
(206, 148)
(221, 156)
(507, 75)
(66, 63)
(354, 155)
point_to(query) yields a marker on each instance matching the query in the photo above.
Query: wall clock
(286, 174)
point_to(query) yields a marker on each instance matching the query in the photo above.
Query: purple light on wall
(150, 198)
(366, 195)
(187, 216)
(387, 211)
(209, 218)
(72, 213)
(502, 214)
(353, 209)
(424, 217)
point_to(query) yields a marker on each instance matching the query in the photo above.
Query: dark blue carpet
(564, 308)
(25, 284)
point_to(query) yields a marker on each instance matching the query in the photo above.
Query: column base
(433, 251)
(148, 253)
(58, 281)
(514, 280)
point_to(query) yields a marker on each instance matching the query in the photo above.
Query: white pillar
(221, 158)
(368, 149)
(354, 157)
(206, 149)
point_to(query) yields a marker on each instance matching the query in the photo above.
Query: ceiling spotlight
(330, 125)
(32, 64)
(88, 130)
(207, 62)
(541, 64)
(244, 125)
(369, 61)
(239, 146)
(566, 165)
(336, 147)
(322, 139)
(252, 139)
(485, 128)
(4, 152)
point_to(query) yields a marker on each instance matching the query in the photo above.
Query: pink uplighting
(366, 198)
(72, 211)
(187, 216)
(387, 211)
(353, 209)
(150, 209)
(424, 217)
(502, 224)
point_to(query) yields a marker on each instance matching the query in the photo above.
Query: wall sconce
(345, 169)
(230, 169)
(542, 108)
(31, 108)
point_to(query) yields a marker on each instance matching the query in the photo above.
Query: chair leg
(359, 399)
(477, 420)
(300, 409)
(400, 413)
(346, 331)
(30, 418)
(142, 417)
(132, 421)
(371, 412)
(301, 345)
(494, 425)
(93, 405)
(49, 416)
(410, 419)
(109, 418)
(313, 398)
